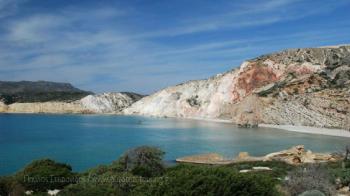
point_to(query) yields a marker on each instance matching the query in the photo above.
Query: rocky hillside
(40, 91)
(308, 86)
(109, 102)
(53, 97)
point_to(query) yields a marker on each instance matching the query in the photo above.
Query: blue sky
(143, 46)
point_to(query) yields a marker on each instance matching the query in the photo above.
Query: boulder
(298, 155)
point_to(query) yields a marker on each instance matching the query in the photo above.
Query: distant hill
(40, 91)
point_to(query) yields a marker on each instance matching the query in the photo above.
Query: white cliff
(287, 87)
(108, 102)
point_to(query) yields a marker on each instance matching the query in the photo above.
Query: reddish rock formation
(295, 87)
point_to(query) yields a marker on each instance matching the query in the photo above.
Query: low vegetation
(309, 177)
(144, 161)
(40, 91)
(209, 180)
(46, 174)
(41, 97)
(140, 171)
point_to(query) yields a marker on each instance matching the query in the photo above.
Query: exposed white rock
(200, 99)
(107, 102)
(255, 169)
(101, 103)
(53, 192)
(28, 192)
(3, 107)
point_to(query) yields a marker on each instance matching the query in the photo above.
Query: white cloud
(79, 46)
(249, 14)
(34, 29)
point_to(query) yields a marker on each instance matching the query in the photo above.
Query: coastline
(310, 130)
(293, 128)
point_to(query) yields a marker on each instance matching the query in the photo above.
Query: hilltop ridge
(39, 91)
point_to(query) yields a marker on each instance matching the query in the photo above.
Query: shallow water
(84, 141)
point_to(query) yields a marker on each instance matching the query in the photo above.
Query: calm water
(85, 141)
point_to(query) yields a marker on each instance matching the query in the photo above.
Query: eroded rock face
(109, 102)
(300, 87)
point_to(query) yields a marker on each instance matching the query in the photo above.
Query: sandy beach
(311, 130)
(293, 128)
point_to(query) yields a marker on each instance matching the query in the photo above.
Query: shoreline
(292, 128)
(310, 130)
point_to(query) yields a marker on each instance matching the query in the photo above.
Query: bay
(85, 141)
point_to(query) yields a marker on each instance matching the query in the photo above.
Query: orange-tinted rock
(253, 77)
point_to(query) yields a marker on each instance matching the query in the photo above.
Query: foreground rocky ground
(294, 156)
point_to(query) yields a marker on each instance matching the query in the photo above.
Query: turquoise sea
(85, 141)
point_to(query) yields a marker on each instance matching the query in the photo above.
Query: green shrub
(342, 174)
(144, 161)
(108, 183)
(345, 177)
(205, 180)
(42, 175)
(88, 190)
(5, 185)
(10, 186)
